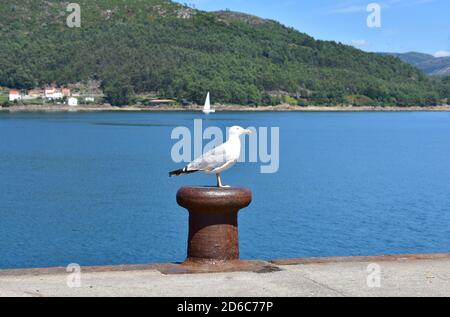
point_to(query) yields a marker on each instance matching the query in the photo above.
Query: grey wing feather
(210, 160)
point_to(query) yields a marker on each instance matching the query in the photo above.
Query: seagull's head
(238, 131)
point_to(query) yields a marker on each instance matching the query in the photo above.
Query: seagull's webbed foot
(219, 182)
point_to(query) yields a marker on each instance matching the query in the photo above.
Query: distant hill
(435, 66)
(138, 46)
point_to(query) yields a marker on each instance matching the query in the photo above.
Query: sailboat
(207, 108)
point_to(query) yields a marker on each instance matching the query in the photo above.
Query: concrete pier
(399, 275)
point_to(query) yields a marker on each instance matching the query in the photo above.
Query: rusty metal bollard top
(213, 198)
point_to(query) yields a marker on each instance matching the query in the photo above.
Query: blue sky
(406, 25)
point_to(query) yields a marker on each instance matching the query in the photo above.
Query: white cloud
(442, 54)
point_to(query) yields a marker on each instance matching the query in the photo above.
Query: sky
(403, 25)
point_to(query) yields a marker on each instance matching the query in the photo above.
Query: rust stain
(200, 267)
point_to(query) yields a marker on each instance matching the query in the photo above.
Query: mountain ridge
(429, 64)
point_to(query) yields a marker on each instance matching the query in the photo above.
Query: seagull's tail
(180, 172)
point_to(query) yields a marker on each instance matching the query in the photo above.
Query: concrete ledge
(231, 266)
(399, 275)
(380, 258)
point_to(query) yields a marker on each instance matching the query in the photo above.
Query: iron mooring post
(213, 222)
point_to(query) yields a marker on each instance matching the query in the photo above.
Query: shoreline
(220, 108)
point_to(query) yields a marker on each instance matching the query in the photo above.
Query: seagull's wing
(211, 160)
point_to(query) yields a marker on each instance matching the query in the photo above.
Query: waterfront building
(53, 93)
(35, 93)
(14, 95)
(49, 92)
(73, 102)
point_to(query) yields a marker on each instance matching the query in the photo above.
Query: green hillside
(140, 46)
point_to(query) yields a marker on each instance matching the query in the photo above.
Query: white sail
(207, 103)
(207, 108)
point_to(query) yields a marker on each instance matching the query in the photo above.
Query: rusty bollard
(213, 222)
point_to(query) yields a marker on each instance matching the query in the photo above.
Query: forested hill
(138, 46)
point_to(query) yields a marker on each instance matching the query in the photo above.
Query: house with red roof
(14, 95)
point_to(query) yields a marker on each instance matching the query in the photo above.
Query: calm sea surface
(93, 188)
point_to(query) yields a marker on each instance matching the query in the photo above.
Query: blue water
(93, 188)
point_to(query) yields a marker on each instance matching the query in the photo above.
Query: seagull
(219, 159)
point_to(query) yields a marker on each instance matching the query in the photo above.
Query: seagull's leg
(219, 182)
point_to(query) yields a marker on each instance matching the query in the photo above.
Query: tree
(118, 93)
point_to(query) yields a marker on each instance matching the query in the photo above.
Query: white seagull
(219, 159)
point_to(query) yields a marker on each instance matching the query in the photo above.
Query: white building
(58, 95)
(14, 95)
(73, 102)
(53, 93)
(89, 99)
(48, 93)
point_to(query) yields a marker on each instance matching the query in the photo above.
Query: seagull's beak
(248, 131)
